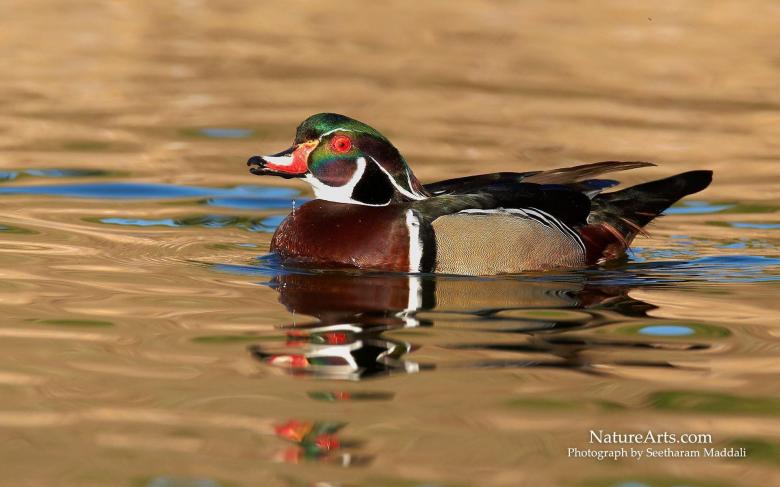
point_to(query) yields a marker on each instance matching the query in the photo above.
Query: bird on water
(371, 212)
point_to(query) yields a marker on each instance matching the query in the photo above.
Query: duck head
(345, 161)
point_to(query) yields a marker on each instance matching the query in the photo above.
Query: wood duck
(371, 212)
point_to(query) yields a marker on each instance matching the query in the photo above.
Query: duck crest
(371, 212)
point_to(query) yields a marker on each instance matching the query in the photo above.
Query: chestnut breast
(327, 234)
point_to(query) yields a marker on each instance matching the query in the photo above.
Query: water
(148, 340)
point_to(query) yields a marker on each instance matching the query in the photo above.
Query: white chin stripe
(279, 160)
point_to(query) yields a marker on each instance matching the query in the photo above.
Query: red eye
(341, 143)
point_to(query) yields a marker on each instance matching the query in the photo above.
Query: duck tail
(617, 217)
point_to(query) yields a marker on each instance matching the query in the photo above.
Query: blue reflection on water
(756, 226)
(64, 173)
(226, 133)
(207, 221)
(693, 207)
(239, 197)
(181, 482)
(249, 203)
(273, 221)
(268, 265)
(51, 173)
(667, 330)
(139, 222)
(734, 245)
(114, 190)
(716, 269)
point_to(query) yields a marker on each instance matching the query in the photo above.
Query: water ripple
(136, 190)
(267, 224)
(52, 173)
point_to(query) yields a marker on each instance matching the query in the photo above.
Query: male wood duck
(371, 212)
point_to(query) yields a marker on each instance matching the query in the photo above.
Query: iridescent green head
(345, 161)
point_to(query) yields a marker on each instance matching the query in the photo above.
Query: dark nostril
(255, 160)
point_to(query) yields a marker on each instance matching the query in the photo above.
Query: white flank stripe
(415, 244)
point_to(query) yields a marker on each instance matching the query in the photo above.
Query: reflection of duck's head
(352, 312)
(318, 441)
(340, 351)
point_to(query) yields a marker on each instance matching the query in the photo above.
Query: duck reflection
(318, 441)
(566, 340)
(544, 321)
(346, 341)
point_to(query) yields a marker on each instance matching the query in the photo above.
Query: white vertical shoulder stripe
(415, 243)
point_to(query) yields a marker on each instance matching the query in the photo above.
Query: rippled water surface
(148, 340)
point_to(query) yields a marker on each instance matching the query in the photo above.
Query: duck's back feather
(563, 175)
(604, 224)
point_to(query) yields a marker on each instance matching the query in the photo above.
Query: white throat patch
(343, 193)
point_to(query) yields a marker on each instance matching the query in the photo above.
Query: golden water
(145, 342)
